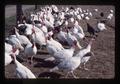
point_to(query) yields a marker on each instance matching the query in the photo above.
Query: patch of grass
(9, 23)
(11, 20)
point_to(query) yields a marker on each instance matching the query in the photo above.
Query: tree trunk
(19, 13)
(36, 7)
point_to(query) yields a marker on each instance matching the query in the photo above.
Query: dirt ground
(101, 66)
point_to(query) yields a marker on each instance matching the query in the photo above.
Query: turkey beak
(85, 39)
(29, 37)
(21, 48)
(16, 29)
(77, 45)
(33, 31)
(12, 56)
(92, 54)
(14, 49)
(46, 38)
(91, 41)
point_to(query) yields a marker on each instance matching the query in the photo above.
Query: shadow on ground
(42, 63)
(49, 75)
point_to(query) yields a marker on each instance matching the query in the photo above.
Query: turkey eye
(11, 56)
(75, 42)
(49, 38)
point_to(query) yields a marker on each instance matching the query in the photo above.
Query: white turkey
(110, 16)
(23, 39)
(71, 38)
(44, 29)
(65, 53)
(8, 58)
(38, 36)
(78, 17)
(46, 22)
(101, 26)
(30, 51)
(9, 49)
(21, 70)
(54, 8)
(52, 45)
(70, 64)
(71, 22)
(61, 36)
(96, 10)
(87, 18)
(85, 59)
(77, 31)
(14, 41)
(28, 30)
(84, 56)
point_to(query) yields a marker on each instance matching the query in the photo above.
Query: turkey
(9, 49)
(21, 28)
(28, 30)
(30, 51)
(79, 17)
(71, 38)
(70, 64)
(85, 59)
(8, 58)
(61, 36)
(65, 53)
(46, 22)
(23, 39)
(110, 16)
(92, 31)
(38, 36)
(53, 45)
(54, 9)
(84, 53)
(44, 29)
(77, 31)
(101, 26)
(14, 41)
(21, 70)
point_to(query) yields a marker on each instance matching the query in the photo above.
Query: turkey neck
(77, 57)
(33, 44)
(72, 49)
(33, 32)
(69, 34)
(38, 17)
(17, 34)
(82, 52)
(89, 45)
(81, 30)
(17, 63)
(14, 49)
